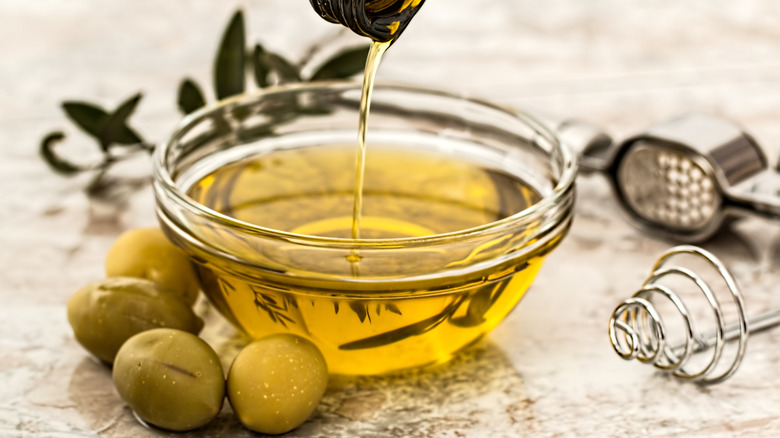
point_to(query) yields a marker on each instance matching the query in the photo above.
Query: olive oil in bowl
(461, 202)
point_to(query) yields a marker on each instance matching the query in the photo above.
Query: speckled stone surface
(548, 370)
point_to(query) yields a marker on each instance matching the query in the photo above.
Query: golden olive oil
(407, 193)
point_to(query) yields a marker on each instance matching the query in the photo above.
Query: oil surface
(406, 192)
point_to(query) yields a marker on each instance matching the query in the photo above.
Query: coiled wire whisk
(637, 330)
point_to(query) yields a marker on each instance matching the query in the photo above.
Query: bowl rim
(163, 181)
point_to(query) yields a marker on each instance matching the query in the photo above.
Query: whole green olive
(147, 253)
(275, 383)
(171, 379)
(105, 313)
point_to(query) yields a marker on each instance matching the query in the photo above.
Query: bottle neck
(380, 20)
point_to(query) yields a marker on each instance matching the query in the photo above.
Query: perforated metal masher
(683, 177)
(637, 328)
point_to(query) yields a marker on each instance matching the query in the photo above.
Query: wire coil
(637, 330)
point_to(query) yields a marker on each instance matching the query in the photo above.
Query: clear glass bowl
(377, 304)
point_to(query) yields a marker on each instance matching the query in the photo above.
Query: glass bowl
(463, 199)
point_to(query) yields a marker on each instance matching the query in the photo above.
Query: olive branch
(236, 66)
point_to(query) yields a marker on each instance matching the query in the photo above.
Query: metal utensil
(637, 329)
(681, 178)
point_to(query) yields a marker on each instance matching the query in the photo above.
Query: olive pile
(140, 320)
(150, 284)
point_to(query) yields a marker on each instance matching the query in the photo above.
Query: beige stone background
(548, 370)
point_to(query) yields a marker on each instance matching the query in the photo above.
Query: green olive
(147, 253)
(105, 313)
(172, 379)
(276, 382)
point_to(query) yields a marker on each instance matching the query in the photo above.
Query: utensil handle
(757, 324)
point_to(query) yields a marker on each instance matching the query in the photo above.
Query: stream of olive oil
(372, 65)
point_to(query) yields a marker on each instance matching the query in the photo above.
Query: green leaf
(342, 65)
(399, 334)
(190, 97)
(104, 127)
(90, 118)
(261, 67)
(59, 165)
(360, 310)
(229, 74)
(116, 129)
(284, 69)
(481, 302)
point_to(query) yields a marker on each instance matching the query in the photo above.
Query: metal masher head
(638, 329)
(683, 177)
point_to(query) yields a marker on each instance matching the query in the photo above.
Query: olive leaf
(225, 286)
(230, 68)
(59, 165)
(106, 128)
(276, 312)
(116, 130)
(90, 118)
(480, 302)
(405, 332)
(230, 64)
(361, 310)
(392, 308)
(284, 70)
(190, 97)
(342, 65)
(260, 66)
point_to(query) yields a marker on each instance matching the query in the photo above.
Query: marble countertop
(548, 370)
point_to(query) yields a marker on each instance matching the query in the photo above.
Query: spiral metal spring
(637, 330)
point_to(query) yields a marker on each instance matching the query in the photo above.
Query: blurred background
(549, 369)
(622, 64)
